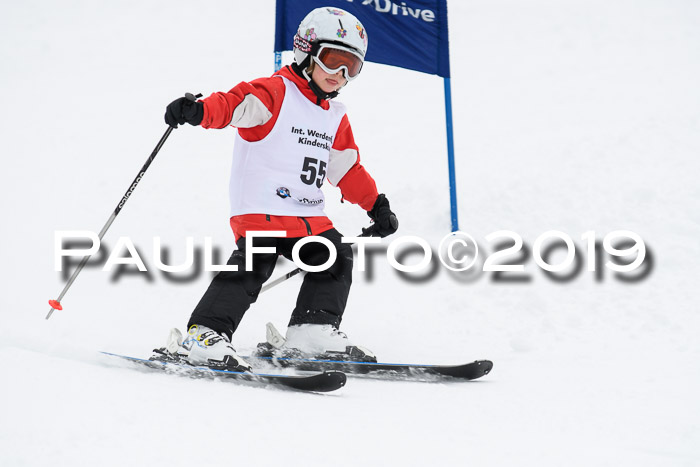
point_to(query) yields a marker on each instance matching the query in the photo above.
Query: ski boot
(202, 347)
(312, 341)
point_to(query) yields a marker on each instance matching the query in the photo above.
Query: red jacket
(253, 109)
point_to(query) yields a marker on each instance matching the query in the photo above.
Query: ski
(324, 381)
(399, 371)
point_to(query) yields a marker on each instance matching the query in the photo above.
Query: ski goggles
(333, 58)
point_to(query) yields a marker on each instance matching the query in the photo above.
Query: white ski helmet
(332, 27)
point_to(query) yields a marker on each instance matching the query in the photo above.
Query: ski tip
(331, 380)
(484, 367)
(342, 378)
(326, 381)
(55, 304)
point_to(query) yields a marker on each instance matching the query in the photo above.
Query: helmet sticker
(361, 32)
(342, 32)
(310, 35)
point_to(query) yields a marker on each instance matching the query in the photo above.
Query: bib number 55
(313, 171)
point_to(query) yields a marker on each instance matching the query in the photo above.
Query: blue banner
(409, 34)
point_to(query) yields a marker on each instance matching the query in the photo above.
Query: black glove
(184, 110)
(385, 222)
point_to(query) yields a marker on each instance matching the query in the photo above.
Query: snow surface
(573, 115)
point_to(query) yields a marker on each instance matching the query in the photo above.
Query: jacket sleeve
(253, 105)
(346, 172)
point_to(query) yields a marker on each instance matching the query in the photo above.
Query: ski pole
(56, 304)
(366, 232)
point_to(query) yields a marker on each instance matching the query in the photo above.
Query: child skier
(291, 137)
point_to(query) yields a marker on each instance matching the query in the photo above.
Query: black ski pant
(322, 297)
